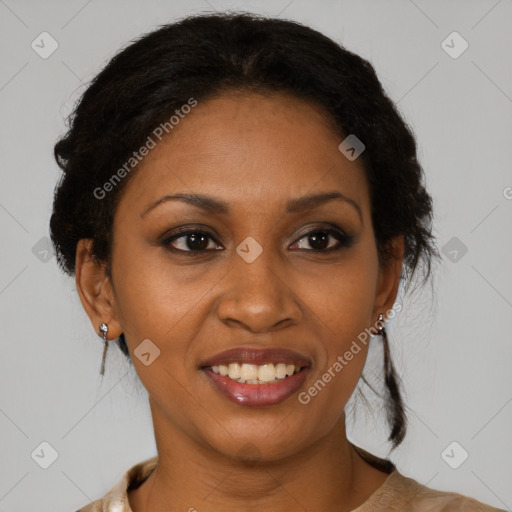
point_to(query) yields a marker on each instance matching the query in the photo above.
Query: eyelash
(344, 241)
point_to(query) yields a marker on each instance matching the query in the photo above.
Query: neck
(326, 475)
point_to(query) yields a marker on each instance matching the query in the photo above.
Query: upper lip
(258, 356)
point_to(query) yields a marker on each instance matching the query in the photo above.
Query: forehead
(249, 149)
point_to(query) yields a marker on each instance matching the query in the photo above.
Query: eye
(191, 241)
(318, 240)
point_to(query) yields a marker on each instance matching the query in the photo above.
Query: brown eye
(318, 240)
(191, 241)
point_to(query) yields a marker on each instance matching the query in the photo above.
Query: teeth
(249, 372)
(234, 371)
(256, 374)
(266, 372)
(280, 371)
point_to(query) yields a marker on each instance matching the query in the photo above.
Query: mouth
(256, 377)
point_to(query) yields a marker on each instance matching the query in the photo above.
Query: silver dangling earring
(104, 331)
(380, 325)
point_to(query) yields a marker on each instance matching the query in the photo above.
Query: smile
(256, 374)
(256, 377)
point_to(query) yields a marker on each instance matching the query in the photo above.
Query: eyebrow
(217, 206)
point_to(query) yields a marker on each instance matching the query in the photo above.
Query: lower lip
(257, 395)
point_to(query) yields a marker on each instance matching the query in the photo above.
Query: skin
(256, 153)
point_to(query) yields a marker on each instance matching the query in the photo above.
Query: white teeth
(249, 372)
(266, 372)
(255, 374)
(280, 371)
(234, 371)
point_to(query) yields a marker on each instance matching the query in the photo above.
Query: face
(269, 270)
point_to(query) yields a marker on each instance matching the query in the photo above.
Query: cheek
(166, 304)
(155, 303)
(344, 314)
(341, 296)
(343, 306)
(152, 295)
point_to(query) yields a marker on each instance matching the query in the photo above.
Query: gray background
(453, 347)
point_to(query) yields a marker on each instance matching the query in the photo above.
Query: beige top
(397, 494)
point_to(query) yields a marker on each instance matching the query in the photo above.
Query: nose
(257, 297)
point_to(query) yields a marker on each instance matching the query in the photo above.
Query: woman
(240, 205)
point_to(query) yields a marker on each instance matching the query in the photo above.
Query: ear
(95, 290)
(389, 278)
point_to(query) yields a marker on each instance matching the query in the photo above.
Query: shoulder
(401, 493)
(116, 499)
